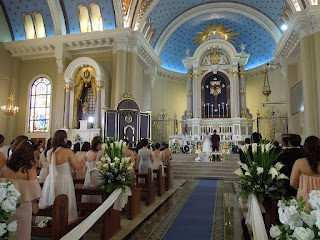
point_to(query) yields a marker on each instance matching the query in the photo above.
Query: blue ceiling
(14, 10)
(70, 7)
(258, 41)
(167, 10)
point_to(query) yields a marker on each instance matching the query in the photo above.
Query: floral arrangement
(45, 222)
(260, 174)
(114, 168)
(175, 148)
(298, 223)
(9, 202)
(77, 138)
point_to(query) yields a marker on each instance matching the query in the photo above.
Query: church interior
(171, 72)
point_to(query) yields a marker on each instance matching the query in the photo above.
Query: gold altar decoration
(215, 58)
(10, 109)
(223, 31)
(266, 84)
(67, 89)
(85, 76)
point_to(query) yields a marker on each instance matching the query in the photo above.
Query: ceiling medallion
(215, 30)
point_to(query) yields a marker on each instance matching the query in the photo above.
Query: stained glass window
(40, 106)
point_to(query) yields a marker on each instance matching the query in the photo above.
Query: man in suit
(215, 140)
(288, 158)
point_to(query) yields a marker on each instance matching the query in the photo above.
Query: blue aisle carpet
(199, 214)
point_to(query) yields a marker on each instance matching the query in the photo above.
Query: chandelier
(266, 84)
(9, 109)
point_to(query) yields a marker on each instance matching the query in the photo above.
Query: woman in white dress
(43, 164)
(59, 180)
(92, 178)
(207, 149)
(81, 156)
(146, 159)
(157, 156)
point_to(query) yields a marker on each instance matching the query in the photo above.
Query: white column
(243, 100)
(189, 95)
(98, 107)
(66, 117)
(235, 111)
(196, 95)
(149, 80)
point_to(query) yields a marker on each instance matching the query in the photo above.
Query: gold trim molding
(99, 87)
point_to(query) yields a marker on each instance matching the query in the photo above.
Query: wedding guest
(277, 147)
(288, 157)
(128, 152)
(9, 149)
(36, 154)
(59, 180)
(39, 146)
(145, 157)
(157, 156)
(136, 157)
(18, 140)
(167, 161)
(43, 163)
(285, 143)
(2, 156)
(69, 144)
(76, 148)
(242, 155)
(215, 140)
(256, 138)
(92, 178)
(80, 157)
(305, 175)
(21, 171)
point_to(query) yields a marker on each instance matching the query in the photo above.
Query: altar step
(185, 167)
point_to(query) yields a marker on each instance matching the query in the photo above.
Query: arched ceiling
(258, 23)
(259, 42)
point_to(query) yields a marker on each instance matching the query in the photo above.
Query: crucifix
(215, 89)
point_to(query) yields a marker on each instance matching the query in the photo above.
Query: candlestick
(219, 109)
(212, 110)
(227, 110)
(223, 110)
(208, 104)
(204, 111)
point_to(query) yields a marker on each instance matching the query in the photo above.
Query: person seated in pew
(21, 171)
(59, 180)
(43, 163)
(146, 158)
(92, 178)
(136, 157)
(157, 156)
(80, 157)
(166, 159)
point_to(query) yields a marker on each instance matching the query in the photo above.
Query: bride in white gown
(207, 147)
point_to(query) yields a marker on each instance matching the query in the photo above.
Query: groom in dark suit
(215, 140)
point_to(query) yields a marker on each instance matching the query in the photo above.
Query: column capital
(99, 87)
(120, 43)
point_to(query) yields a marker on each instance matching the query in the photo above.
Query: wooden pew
(168, 175)
(159, 181)
(133, 207)
(59, 224)
(148, 187)
(110, 219)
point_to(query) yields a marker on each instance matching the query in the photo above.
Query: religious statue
(215, 89)
(215, 57)
(87, 78)
(85, 109)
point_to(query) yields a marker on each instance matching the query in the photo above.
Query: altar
(216, 93)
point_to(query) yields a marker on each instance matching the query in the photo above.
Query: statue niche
(85, 95)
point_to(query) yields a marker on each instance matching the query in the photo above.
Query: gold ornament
(215, 58)
(67, 89)
(99, 87)
(9, 109)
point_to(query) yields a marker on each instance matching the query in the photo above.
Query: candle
(219, 109)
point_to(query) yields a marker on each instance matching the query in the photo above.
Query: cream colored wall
(170, 95)
(5, 35)
(255, 98)
(138, 86)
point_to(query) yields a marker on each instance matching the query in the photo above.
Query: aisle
(199, 214)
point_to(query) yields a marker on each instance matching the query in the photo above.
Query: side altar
(216, 92)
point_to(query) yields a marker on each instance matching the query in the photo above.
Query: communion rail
(82, 228)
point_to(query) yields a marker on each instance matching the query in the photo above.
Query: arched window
(39, 25)
(296, 5)
(96, 18)
(288, 7)
(40, 101)
(314, 2)
(28, 26)
(84, 19)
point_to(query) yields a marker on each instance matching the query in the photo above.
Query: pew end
(148, 187)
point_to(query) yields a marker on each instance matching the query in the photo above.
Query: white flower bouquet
(9, 202)
(77, 138)
(114, 168)
(260, 174)
(298, 223)
(175, 148)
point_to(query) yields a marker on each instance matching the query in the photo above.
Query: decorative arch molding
(57, 17)
(247, 11)
(118, 13)
(76, 64)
